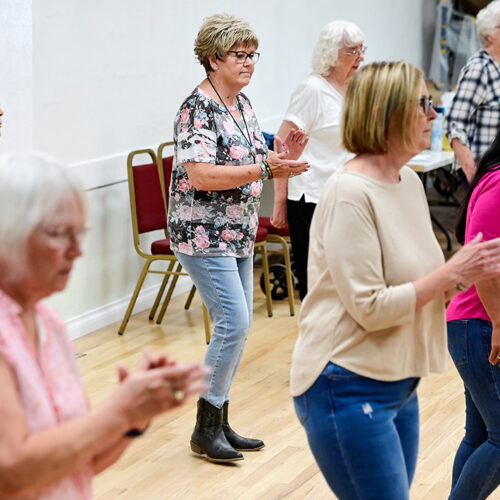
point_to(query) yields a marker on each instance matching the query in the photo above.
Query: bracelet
(268, 169)
(461, 287)
(133, 433)
(263, 172)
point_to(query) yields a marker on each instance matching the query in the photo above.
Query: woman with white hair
(474, 116)
(51, 442)
(316, 107)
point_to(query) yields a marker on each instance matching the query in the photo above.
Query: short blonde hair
(219, 34)
(376, 95)
(486, 22)
(331, 38)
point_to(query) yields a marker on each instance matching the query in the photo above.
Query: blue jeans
(476, 470)
(363, 433)
(225, 285)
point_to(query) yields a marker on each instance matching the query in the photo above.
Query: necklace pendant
(253, 151)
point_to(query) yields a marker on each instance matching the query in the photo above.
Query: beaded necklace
(253, 150)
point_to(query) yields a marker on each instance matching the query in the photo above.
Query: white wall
(108, 76)
(16, 94)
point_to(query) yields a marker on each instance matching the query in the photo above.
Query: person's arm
(464, 157)
(355, 261)
(30, 461)
(475, 261)
(210, 177)
(279, 218)
(471, 89)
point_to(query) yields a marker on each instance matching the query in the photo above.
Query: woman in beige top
(373, 321)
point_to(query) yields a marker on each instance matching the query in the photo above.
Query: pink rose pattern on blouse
(215, 223)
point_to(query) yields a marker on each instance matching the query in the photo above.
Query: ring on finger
(179, 395)
(498, 356)
(291, 174)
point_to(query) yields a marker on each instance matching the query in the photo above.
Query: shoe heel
(196, 448)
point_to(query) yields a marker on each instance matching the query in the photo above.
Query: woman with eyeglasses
(51, 442)
(373, 321)
(316, 107)
(474, 342)
(220, 163)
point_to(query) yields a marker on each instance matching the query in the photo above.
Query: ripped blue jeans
(362, 432)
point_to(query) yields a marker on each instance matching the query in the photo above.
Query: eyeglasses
(64, 236)
(356, 52)
(427, 104)
(241, 56)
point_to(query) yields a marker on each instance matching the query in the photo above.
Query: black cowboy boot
(235, 440)
(208, 437)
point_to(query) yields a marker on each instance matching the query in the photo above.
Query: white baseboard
(105, 315)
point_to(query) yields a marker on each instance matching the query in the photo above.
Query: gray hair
(32, 188)
(330, 40)
(486, 21)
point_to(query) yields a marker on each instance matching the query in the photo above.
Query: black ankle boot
(208, 437)
(235, 440)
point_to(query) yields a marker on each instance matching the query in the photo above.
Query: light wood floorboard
(161, 466)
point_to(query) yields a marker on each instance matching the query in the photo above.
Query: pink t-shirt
(483, 215)
(49, 385)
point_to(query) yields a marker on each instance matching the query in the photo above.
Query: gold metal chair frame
(150, 258)
(285, 252)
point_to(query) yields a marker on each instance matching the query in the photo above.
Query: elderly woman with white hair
(51, 442)
(473, 119)
(316, 107)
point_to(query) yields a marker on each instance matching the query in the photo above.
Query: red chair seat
(261, 234)
(161, 247)
(265, 222)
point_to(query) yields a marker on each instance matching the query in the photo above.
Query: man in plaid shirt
(473, 119)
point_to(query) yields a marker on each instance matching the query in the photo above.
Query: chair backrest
(146, 198)
(165, 168)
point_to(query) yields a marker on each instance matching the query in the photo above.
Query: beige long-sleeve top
(369, 240)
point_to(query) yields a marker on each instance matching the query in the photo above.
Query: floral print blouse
(214, 223)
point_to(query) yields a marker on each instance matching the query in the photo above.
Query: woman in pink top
(51, 442)
(474, 342)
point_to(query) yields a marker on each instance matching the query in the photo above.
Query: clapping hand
(294, 144)
(158, 384)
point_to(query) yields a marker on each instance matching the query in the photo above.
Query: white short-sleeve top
(316, 107)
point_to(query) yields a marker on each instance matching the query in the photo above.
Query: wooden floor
(160, 465)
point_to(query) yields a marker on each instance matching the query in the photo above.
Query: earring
(216, 67)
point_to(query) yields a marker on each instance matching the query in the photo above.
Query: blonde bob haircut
(380, 96)
(219, 34)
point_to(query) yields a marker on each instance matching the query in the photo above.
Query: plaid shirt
(474, 114)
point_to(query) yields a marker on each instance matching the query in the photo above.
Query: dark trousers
(300, 215)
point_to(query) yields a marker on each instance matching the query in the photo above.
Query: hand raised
(294, 144)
